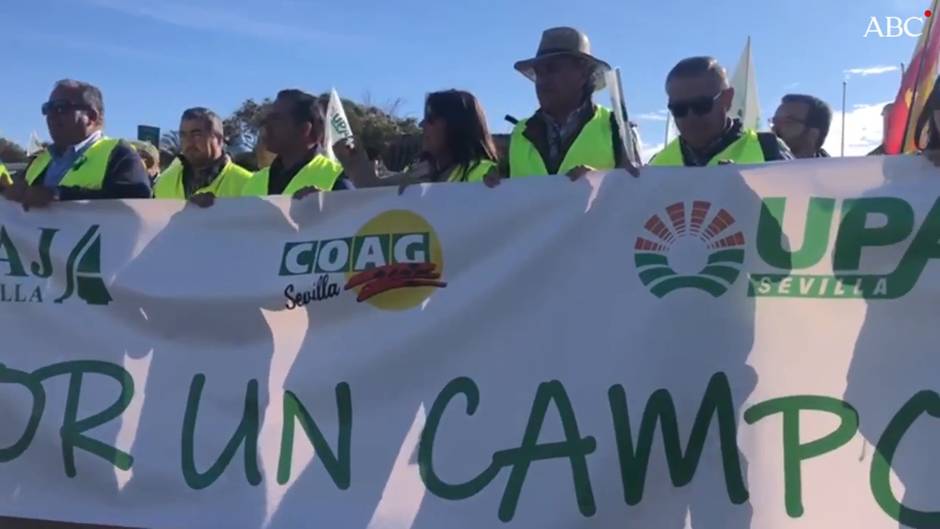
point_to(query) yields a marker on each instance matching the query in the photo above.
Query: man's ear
(813, 136)
(727, 97)
(93, 116)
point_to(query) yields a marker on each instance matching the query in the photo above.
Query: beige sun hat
(565, 41)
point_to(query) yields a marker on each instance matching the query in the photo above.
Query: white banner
(727, 347)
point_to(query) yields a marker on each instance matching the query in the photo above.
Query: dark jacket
(125, 177)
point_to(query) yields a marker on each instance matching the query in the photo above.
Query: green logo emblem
(697, 250)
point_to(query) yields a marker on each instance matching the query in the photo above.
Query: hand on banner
(492, 178)
(578, 172)
(17, 191)
(203, 200)
(305, 192)
(406, 183)
(630, 168)
(934, 156)
(37, 197)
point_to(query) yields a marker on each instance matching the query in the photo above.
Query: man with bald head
(81, 163)
(700, 101)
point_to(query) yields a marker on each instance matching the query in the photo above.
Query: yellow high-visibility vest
(5, 178)
(229, 183)
(320, 173)
(593, 147)
(87, 172)
(745, 150)
(474, 173)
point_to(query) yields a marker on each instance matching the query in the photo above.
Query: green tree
(10, 152)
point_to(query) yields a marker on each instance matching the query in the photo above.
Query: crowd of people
(568, 134)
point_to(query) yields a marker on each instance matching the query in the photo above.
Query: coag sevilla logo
(394, 262)
(694, 249)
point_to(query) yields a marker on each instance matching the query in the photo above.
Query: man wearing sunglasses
(81, 163)
(802, 122)
(700, 101)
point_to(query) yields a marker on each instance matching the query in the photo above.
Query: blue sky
(154, 58)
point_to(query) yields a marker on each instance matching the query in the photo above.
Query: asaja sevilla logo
(394, 262)
(28, 281)
(694, 249)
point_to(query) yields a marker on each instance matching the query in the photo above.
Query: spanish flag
(918, 83)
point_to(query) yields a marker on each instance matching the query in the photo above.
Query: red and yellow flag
(916, 87)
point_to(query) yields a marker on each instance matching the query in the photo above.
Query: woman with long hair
(456, 146)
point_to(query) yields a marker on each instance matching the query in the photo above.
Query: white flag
(34, 145)
(746, 105)
(337, 125)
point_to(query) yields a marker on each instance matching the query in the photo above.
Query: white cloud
(863, 130)
(871, 70)
(659, 115)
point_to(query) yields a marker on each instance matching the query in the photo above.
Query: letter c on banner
(432, 481)
(880, 477)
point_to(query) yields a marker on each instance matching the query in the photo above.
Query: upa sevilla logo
(700, 250)
(394, 262)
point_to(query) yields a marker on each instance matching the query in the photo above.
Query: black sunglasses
(61, 107)
(700, 106)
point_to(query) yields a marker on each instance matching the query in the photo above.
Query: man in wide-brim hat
(568, 134)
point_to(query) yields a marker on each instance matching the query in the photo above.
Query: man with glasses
(81, 163)
(294, 131)
(802, 122)
(700, 101)
(203, 171)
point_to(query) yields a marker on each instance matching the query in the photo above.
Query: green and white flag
(337, 125)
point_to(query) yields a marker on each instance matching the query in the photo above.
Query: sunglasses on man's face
(61, 107)
(700, 106)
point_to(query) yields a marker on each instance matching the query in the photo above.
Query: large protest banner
(728, 347)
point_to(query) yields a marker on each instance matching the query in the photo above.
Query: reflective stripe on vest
(87, 172)
(320, 173)
(745, 150)
(594, 146)
(475, 173)
(230, 182)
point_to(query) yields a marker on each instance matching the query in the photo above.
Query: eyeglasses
(784, 121)
(700, 106)
(62, 107)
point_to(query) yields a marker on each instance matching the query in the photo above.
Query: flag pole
(845, 85)
(747, 77)
(668, 123)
